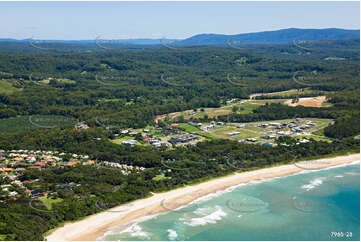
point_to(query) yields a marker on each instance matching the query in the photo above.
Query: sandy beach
(94, 226)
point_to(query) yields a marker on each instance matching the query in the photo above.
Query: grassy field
(6, 87)
(247, 107)
(35, 122)
(160, 177)
(295, 92)
(244, 133)
(48, 202)
(60, 81)
(119, 141)
(189, 128)
(335, 58)
(45, 81)
(206, 135)
(65, 81)
(105, 100)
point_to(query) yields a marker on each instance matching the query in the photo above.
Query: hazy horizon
(171, 20)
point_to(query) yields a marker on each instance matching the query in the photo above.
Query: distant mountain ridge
(282, 36)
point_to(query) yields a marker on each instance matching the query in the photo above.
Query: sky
(172, 20)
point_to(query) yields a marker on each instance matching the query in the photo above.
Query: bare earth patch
(308, 102)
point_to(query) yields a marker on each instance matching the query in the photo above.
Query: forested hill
(291, 36)
(283, 36)
(146, 83)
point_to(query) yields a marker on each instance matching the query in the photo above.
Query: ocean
(312, 205)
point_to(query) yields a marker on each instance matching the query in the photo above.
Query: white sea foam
(230, 189)
(339, 176)
(314, 183)
(207, 219)
(172, 234)
(132, 228)
(203, 211)
(135, 231)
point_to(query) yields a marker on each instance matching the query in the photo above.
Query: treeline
(143, 83)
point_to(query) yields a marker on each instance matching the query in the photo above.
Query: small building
(40, 163)
(234, 133)
(63, 187)
(73, 163)
(251, 139)
(303, 141)
(81, 126)
(13, 193)
(37, 193)
(129, 142)
(182, 139)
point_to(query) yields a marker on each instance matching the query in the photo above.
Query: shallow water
(317, 205)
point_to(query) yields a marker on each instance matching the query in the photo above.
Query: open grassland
(189, 128)
(6, 87)
(48, 202)
(65, 81)
(35, 122)
(292, 93)
(194, 130)
(244, 133)
(119, 141)
(161, 177)
(246, 107)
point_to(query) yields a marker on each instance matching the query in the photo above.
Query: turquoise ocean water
(316, 205)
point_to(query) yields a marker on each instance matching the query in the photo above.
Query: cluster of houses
(234, 100)
(268, 136)
(211, 125)
(13, 162)
(293, 125)
(125, 169)
(156, 142)
(18, 160)
(182, 139)
(248, 140)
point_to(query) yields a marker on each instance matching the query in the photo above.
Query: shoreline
(95, 226)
